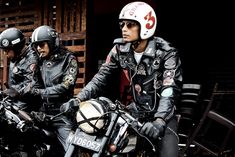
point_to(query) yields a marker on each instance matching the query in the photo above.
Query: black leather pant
(168, 146)
(62, 126)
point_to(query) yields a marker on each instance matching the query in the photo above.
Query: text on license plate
(85, 141)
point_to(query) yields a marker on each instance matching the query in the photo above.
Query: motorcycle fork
(113, 121)
(121, 132)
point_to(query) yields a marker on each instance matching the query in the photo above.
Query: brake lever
(59, 114)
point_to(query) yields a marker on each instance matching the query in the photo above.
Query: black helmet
(12, 38)
(45, 33)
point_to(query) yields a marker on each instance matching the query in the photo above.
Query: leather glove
(154, 129)
(36, 91)
(70, 106)
(39, 116)
(11, 92)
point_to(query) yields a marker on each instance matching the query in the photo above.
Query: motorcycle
(21, 134)
(107, 129)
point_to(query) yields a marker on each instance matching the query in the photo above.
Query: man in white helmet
(153, 75)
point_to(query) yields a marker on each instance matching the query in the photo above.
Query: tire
(81, 153)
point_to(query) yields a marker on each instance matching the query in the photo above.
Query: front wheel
(77, 152)
(82, 153)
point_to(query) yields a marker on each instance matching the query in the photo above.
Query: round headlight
(90, 116)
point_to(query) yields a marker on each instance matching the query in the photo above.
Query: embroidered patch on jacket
(169, 73)
(138, 88)
(141, 70)
(156, 63)
(72, 70)
(15, 70)
(170, 63)
(68, 80)
(74, 63)
(167, 92)
(32, 67)
(168, 81)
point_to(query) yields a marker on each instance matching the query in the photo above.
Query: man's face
(43, 49)
(9, 53)
(130, 30)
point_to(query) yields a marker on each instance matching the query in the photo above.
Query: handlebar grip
(24, 115)
(109, 103)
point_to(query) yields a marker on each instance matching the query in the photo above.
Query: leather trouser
(62, 126)
(168, 145)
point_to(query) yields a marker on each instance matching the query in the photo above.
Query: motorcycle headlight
(91, 116)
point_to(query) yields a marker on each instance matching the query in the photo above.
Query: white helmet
(91, 116)
(142, 13)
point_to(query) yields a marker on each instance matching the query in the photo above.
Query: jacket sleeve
(171, 85)
(100, 80)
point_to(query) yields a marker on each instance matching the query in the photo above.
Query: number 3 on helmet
(143, 14)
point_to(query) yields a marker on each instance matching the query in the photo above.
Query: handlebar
(14, 115)
(133, 122)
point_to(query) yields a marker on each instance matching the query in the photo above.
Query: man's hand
(154, 129)
(36, 91)
(70, 105)
(39, 116)
(11, 92)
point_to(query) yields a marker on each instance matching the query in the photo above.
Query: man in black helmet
(59, 69)
(22, 68)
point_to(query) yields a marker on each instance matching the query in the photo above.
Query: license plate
(84, 140)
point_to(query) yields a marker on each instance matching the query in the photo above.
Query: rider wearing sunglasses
(59, 70)
(150, 75)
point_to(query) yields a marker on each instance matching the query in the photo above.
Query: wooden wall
(67, 17)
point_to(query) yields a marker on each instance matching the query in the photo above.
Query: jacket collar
(149, 51)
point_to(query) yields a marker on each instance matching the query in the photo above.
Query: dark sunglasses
(129, 24)
(6, 50)
(40, 44)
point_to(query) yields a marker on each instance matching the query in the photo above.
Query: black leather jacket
(58, 77)
(21, 72)
(155, 82)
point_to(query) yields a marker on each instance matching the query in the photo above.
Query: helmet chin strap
(136, 43)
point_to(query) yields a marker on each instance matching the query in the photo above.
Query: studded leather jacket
(58, 77)
(153, 84)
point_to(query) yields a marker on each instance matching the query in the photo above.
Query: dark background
(203, 31)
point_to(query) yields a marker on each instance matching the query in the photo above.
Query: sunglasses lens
(6, 50)
(129, 24)
(41, 44)
(121, 24)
